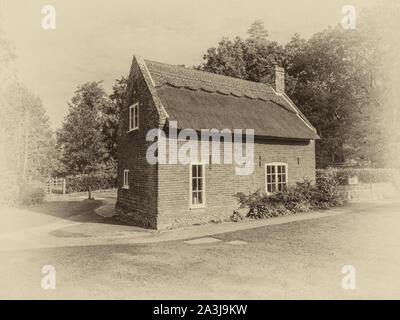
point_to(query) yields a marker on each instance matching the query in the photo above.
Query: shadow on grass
(75, 210)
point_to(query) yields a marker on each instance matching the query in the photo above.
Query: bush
(31, 195)
(301, 198)
(98, 181)
(327, 190)
(236, 216)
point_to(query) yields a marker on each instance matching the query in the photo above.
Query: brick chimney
(279, 79)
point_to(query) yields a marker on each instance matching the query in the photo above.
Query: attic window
(276, 177)
(134, 117)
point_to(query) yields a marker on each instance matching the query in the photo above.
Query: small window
(126, 179)
(134, 117)
(197, 185)
(276, 177)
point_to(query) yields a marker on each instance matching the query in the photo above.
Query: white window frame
(203, 191)
(125, 179)
(134, 117)
(275, 164)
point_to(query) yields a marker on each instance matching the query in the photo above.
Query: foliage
(31, 194)
(112, 116)
(97, 181)
(327, 194)
(301, 198)
(344, 81)
(80, 140)
(236, 216)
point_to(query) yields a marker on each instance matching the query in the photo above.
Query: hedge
(365, 175)
(305, 196)
(98, 181)
(300, 198)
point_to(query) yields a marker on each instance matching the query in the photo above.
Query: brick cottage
(165, 195)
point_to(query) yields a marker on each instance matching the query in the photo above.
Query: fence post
(63, 186)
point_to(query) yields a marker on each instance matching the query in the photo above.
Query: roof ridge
(261, 84)
(204, 81)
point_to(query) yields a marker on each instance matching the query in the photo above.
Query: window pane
(269, 179)
(283, 169)
(194, 171)
(194, 184)
(268, 169)
(194, 198)
(200, 171)
(200, 184)
(200, 197)
(269, 187)
(273, 178)
(272, 169)
(279, 169)
(273, 187)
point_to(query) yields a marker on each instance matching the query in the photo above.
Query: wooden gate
(56, 185)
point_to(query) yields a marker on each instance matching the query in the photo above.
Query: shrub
(31, 194)
(236, 216)
(98, 181)
(301, 198)
(327, 190)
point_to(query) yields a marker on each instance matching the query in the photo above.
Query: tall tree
(26, 139)
(112, 115)
(335, 78)
(80, 139)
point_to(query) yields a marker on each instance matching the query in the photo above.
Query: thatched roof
(203, 100)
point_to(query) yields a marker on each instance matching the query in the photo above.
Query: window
(276, 177)
(197, 185)
(134, 117)
(126, 180)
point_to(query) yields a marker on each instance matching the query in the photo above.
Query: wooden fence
(56, 185)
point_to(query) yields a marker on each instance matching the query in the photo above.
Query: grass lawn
(301, 259)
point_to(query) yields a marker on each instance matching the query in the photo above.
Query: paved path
(59, 232)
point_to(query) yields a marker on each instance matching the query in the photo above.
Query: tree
(27, 144)
(80, 139)
(112, 116)
(257, 31)
(335, 78)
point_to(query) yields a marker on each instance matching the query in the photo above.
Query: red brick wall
(222, 183)
(138, 204)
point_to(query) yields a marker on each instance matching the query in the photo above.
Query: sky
(96, 39)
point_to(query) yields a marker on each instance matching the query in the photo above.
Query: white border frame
(276, 172)
(133, 107)
(203, 205)
(125, 186)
